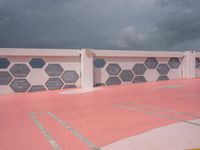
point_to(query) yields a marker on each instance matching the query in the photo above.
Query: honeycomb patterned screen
(31, 74)
(115, 71)
(198, 67)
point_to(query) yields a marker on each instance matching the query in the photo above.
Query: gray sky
(100, 24)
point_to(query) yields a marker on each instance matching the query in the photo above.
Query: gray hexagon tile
(70, 86)
(139, 69)
(54, 83)
(163, 69)
(113, 81)
(126, 75)
(54, 70)
(174, 63)
(5, 78)
(19, 70)
(198, 63)
(4, 63)
(139, 79)
(151, 63)
(162, 78)
(37, 63)
(99, 63)
(70, 76)
(37, 88)
(99, 84)
(20, 85)
(113, 69)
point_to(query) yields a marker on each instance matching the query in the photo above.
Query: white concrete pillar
(86, 68)
(189, 70)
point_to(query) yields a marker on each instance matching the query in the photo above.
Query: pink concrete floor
(100, 117)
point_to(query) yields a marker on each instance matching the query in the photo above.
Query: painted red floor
(95, 118)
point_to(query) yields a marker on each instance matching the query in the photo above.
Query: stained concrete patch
(167, 87)
(174, 137)
(196, 121)
(191, 95)
(80, 91)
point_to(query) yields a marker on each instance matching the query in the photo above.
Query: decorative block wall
(32, 70)
(115, 71)
(31, 74)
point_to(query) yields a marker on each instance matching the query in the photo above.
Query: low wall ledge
(38, 52)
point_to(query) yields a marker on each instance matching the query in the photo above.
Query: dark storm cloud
(181, 21)
(108, 24)
(178, 22)
(33, 23)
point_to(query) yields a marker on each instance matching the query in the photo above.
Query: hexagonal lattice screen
(136, 70)
(198, 63)
(19, 70)
(113, 69)
(113, 81)
(99, 63)
(139, 69)
(139, 79)
(174, 63)
(70, 76)
(54, 70)
(5, 78)
(4, 63)
(161, 78)
(20, 85)
(163, 68)
(54, 84)
(37, 88)
(151, 63)
(37, 63)
(126, 75)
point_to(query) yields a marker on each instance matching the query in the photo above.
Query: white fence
(30, 70)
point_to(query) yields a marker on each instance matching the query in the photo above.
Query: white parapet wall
(197, 64)
(31, 70)
(123, 67)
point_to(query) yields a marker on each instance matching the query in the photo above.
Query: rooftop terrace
(157, 115)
